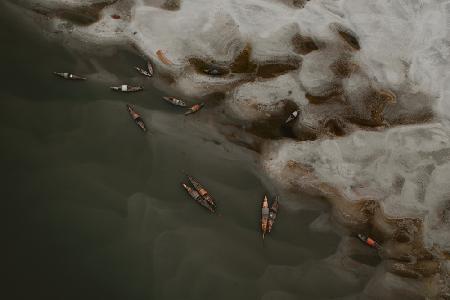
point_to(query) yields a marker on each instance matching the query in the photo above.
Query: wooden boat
(272, 214)
(194, 108)
(143, 72)
(126, 88)
(136, 117)
(69, 76)
(264, 216)
(201, 190)
(197, 197)
(150, 68)
(163, 58)
(368, 241)
(175, 101)
(293, 116)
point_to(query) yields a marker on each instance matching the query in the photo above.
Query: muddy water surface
(94, 209)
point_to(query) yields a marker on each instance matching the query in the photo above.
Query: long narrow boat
(194, 108)
(69, 76)
(126, 88)
(136, 117)
(202, 191)
(175, 101)
(197, 197)
(264, 216)
(272, 214)
(143, 72)
(292, 116)
(370, 242)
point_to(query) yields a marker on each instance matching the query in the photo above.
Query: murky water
(94, 208)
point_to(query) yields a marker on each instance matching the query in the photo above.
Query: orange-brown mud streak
(303, 44)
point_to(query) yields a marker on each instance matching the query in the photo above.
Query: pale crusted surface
(404, 168)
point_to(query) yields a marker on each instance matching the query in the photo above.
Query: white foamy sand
(370, 81)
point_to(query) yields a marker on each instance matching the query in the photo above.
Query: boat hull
(264, 216)
(202, 191)
(194, 108)
(136, 117)
(175, 101)
(68, 76)
(197, 197)
(126, 89)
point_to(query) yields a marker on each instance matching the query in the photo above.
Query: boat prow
(68, 76)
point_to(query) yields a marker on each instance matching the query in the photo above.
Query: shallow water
(94, 208)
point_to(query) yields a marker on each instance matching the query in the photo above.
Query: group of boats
(125, 88)
(199, 194)
(197, 191)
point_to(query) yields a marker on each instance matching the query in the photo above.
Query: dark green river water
(94, 208)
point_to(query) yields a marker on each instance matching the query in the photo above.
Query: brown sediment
(253, 144)
(274, 69)
(167, 77)
(242, 62)
(347, 35)
(402, 270)
(423, 268)
(445, 212)
(335, 126)
(350, 39)
(82, 16)
(201, 65)
(214, 99)
(295, 3)
(171, 5)
(370, 260)
(273, 126)
(163, 58)
(426, 115)
(343, 67)
(303, 44)
(375, 103)
(334, 93)
(299, 3)
(306, 135)
(407, 257)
